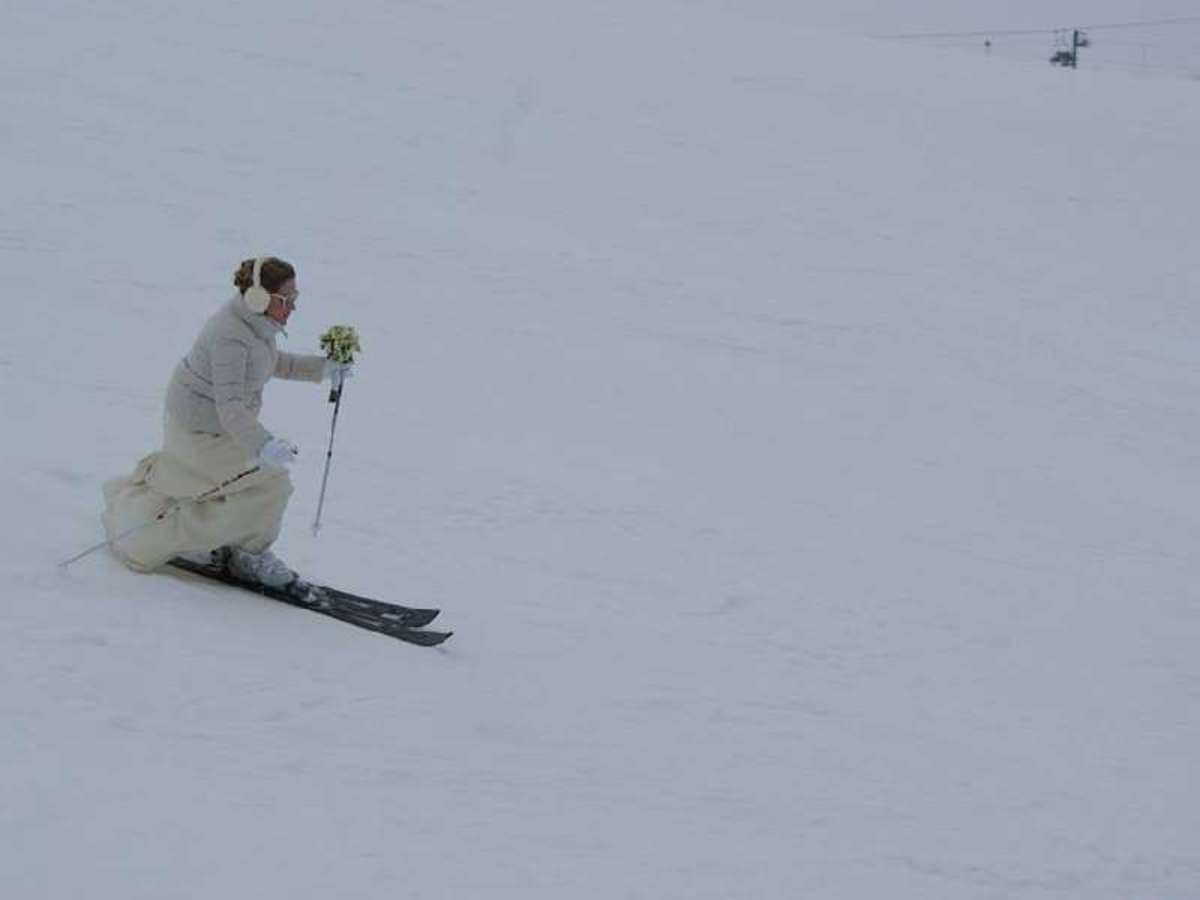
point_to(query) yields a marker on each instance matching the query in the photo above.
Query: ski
(401, 622)
(412, 616)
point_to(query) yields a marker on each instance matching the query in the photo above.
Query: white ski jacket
(217, 388)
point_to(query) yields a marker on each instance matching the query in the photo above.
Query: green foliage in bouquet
(340, 343)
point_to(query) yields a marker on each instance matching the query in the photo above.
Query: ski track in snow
(798, 432)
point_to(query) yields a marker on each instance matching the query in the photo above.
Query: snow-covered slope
(800, 433)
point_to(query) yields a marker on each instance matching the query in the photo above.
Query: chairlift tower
(1069, 58)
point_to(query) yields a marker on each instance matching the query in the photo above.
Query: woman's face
(283, 301)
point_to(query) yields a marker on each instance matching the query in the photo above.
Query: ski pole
(170, 510)
(335, 396)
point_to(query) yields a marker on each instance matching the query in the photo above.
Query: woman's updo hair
(275, 274)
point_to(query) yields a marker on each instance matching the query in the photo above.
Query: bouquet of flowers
(340, 343)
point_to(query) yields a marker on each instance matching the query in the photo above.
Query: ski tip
(417, 636)
(417, 618)
(429, 638)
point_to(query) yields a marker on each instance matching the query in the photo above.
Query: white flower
(340, 343)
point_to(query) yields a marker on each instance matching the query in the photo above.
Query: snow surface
(799, 431)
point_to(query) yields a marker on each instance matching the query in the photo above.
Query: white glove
(278, 453)
(336, 373)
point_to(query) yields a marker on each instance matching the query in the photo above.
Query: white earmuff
(257, 297)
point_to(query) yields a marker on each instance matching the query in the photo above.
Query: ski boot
(269, 570)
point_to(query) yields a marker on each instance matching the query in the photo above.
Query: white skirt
(246, 514)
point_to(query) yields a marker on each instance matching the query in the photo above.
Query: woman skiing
(212, 436)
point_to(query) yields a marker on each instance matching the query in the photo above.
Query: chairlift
(1067, 44)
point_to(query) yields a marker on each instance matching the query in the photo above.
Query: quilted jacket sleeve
(300, 367)
(230, 359)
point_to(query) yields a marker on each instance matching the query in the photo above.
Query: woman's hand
(278, 453)
(336, 373)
